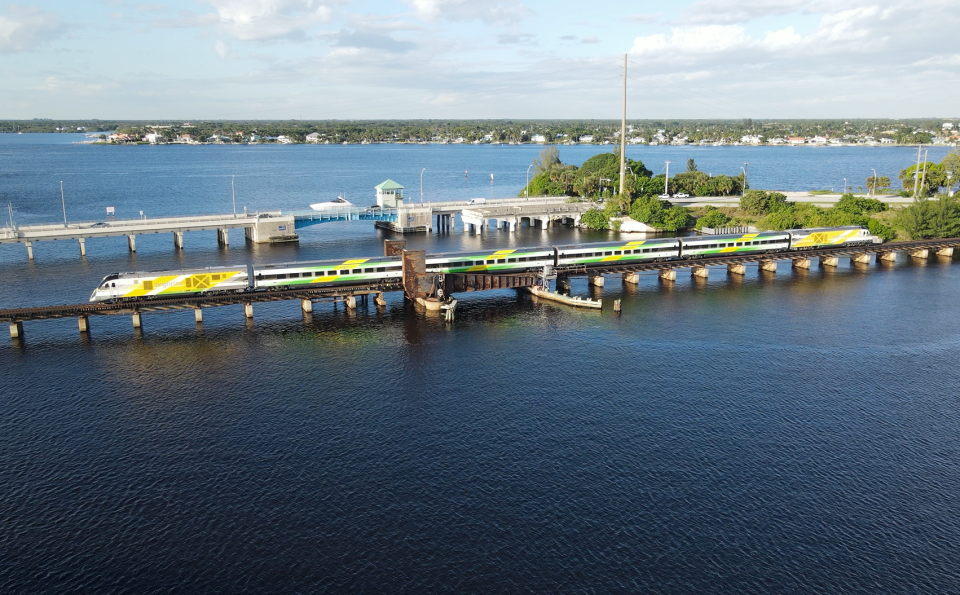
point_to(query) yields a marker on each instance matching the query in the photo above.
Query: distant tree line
(501, 131)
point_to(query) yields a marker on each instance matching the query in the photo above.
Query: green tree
(649, 210)
(676, 217)
(691, 165)
(595, 219)
(931, 177)
(877, 184)
(548, 159)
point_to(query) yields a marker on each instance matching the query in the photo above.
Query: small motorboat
(335, 204)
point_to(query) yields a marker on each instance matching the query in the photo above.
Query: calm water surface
(788, 433)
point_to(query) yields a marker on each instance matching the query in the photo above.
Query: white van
(476, 201)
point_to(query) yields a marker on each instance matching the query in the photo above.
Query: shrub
(712, 218)
(859, 205)
(759, 202)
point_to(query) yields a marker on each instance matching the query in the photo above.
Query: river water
(787, 433)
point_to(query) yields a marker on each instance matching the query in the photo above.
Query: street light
(421, 185)
(526, 189)
(63, 204)
(844, 186)
(744, 168)
(233, 193)
(874, 192)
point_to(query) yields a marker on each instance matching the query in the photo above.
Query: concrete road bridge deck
(829, 257)
(270, 227)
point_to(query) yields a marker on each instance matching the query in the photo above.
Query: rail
(253, 296)
(191, 302)
(574, 270)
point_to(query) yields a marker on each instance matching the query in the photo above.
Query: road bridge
(450, 283)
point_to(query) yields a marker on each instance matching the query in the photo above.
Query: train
(290, 275)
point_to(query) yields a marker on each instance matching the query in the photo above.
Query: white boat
(335, 204)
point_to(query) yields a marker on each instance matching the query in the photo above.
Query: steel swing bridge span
(418, 285)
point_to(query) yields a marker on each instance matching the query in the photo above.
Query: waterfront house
(313, 137)
(796, 140)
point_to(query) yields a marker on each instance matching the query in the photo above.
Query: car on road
(681, 195)
(664, 196)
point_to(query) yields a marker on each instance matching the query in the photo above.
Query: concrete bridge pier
(198, 315)
(83, 246)
(801, 263)
(890, 257)
(768, 266)
(29, 246)
(223, 237)
(921, 254)
(178, 240)
(701, 272)
(860, 258)
(737, 269)
(16, 330)
(668, 274)
(945, 251)
(306, 305)
(632, 278)
(595, 280)
(829, 261)
(379, 301)
(351, 302)
(248, 310)
(132, 243)
(84, 323)
(137, 322)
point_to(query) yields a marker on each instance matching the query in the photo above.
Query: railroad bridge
(422, 287)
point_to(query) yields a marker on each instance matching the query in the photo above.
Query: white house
(285, 140)
(586, 138)
(313, 137)
(153, 137)
(796, 140)
(538, 138)
(751, 139)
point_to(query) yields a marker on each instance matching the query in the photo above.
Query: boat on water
(333, 205)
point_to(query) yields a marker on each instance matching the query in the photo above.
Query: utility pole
(916, 178)
(923, 177)
(666, 180)
(63, 204)
(744, 189)
(623, 130)
(874, 192)
(233, 193)
(421, 185)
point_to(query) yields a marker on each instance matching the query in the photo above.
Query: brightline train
(214, 280)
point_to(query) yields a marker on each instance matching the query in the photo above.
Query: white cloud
(697, 39)
(221, 49)
(25, 28)
(271, 19)
(491, 12)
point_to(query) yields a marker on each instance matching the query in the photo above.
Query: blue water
(788, 433)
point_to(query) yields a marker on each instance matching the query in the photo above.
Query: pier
(434, 290)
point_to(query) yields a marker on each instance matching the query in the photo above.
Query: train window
(345, 272)
(502, 260)
(148, 285)
(356, 271)
(294, 275)
(381, 269)
(281, 277)
(617, 253)
(393, 268)
(511, 260)
(491, 261)
(367, 270)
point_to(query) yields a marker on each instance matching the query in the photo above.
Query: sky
(451, 59)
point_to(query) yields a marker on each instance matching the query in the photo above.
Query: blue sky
(323, 59)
